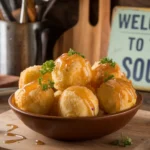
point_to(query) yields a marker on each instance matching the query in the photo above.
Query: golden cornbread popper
(36, 94)
(116, 95)
(32, 98)
(71, 69)
(78, 101)
(103, 69)
(31, 74)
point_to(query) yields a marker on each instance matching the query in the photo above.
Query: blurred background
(37, 30)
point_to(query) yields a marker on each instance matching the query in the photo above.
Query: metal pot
(20, 46)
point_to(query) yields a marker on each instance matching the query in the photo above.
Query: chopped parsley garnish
(40, 80)
(50, 84)
(109, 78)
(48, 66)
(123, 142)
(107, 60)
(72, 52)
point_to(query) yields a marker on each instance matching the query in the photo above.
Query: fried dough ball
(100, 72)
(32, 98)
(71, 70)
(31, 74)
(78, 101)
(116, 95)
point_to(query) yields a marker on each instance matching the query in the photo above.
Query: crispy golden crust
(77, 101)
(31, 74)
(101, 71)
(32, 98)
(116, 95)
(71, 70)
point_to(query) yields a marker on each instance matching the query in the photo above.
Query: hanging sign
(130, 44)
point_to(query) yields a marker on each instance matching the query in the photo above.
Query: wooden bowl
(81, 128)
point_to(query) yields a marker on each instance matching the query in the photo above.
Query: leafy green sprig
(107, 60)
(123, 142)
(47, 67)
(108, 78)
(72, 52)
(45, 86)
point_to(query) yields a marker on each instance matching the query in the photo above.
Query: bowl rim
(135, 107)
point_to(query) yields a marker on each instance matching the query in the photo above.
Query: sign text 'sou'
(130, 44)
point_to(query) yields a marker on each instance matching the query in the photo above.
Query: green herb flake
(48, 66)
(50, 84)
(107, 60)
(123, 142)
(72, 52)
(109, 78)
(40, 80)
(45, 86)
